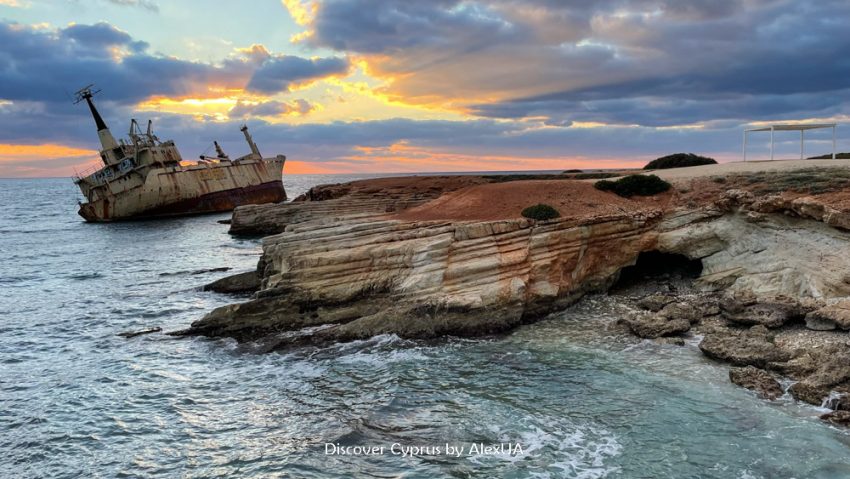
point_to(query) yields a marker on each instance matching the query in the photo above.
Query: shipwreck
(147, 178)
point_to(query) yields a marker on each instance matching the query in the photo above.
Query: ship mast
(251, 144)
(111, 152)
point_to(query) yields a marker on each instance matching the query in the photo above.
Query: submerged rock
(839, 418)
(753, 347)
(133, 334)
(757, 380)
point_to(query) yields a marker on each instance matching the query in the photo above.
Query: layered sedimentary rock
(358, 199)
(358, 279)
(349, 261)
(767, 254)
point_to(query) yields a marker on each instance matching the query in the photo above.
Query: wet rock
(682, 310)
(839, 401)
(810, 393)
(753, 347)
(836, 315)
(655, 302)
(133, 334)
(826, 372)
(247, 282)
(839, 418)
(772, 314)
(671, 340)
(757, 380)
(656, 325)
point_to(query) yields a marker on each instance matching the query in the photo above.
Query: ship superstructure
(145, 177)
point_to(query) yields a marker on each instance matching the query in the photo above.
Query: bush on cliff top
(634, 185)
(679, 160)
(540, 212)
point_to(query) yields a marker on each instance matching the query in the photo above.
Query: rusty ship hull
(182, 190)
(145, 177)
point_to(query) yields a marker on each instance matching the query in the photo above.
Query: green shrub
(593, 176)
(634, 185)
(573, 171)
(679, 160)
(540, 212)
(828, 156)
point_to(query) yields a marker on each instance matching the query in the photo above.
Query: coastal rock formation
(421, 257)
(669, 319)
(247, 282)
(426, 279)
(835, 315)
(655, 325)
(775, 256)
(751, 347)
(356, 200)
(749, 311)
(350, 261)
(757, 380)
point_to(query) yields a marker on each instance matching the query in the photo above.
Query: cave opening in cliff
(658, 266)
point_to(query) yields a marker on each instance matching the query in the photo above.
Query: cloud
(270, 109)
(281, 73)
(646, 62)
(38, 64)
(101, 35)
(145, 4)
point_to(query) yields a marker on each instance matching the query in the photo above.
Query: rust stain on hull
(219, 201)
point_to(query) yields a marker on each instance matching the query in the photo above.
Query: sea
(565, 397)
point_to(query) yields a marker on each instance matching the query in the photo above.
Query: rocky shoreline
(423, 257)
(767, 341)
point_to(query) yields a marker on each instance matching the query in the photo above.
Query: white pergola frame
(801, 127)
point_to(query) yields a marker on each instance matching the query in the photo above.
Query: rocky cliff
(351, 261)
(349, 266)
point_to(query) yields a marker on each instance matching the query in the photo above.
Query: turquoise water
(78, 401)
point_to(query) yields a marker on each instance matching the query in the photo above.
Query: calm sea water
(79, 401)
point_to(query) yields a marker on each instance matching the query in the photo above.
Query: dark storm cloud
(279, 74)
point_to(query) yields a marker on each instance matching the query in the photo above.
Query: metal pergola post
(771, 142)
(801, 127)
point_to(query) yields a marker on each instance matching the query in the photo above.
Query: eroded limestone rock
(835, 315)
(656, 325)
(758, 380)
(752, 347)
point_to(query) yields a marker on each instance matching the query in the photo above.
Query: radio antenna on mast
(85, 93)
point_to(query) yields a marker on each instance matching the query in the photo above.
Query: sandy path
(747, 167)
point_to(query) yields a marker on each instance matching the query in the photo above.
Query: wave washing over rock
(422, 260)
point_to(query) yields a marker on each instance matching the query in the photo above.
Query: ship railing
(88, 171)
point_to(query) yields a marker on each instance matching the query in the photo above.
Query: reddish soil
(496, 201)
(394, 186)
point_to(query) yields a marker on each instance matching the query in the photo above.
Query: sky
(358, 86)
